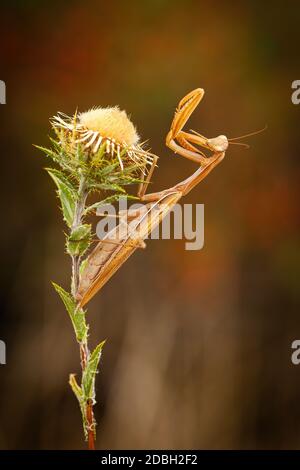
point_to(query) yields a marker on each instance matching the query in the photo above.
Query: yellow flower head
(110, 127)
(112, 123)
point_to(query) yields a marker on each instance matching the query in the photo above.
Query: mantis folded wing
(120, 243)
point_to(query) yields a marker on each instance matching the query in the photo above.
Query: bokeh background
(198, 351)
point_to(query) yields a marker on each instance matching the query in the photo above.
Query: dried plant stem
(83, 346)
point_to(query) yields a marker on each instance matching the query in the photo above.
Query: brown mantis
(111, 252)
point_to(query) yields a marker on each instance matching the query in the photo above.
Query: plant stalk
(83, 347)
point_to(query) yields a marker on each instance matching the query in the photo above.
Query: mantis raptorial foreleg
(185, 186)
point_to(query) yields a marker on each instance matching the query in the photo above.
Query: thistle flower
(109, 127)
(95, 152)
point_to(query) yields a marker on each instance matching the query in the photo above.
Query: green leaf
(124, 181)
(56, 144)
(82, 403)
(64, 179)
(66, 193)
(90, 371)
(107, 200)
(50, 153)
(79, 240)
(76, 314)
(107, 168)
(109, 187)
(98, 156)
(63, 158)
(83, 265)
(75, 387)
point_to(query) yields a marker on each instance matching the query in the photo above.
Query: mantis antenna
(244, 136)
(230, 141)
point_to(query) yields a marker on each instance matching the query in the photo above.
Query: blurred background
(198, 351)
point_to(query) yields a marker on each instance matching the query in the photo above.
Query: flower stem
(90, 422)
(91, 425)
(90, 419)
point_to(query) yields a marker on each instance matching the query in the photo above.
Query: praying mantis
(121, 242)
